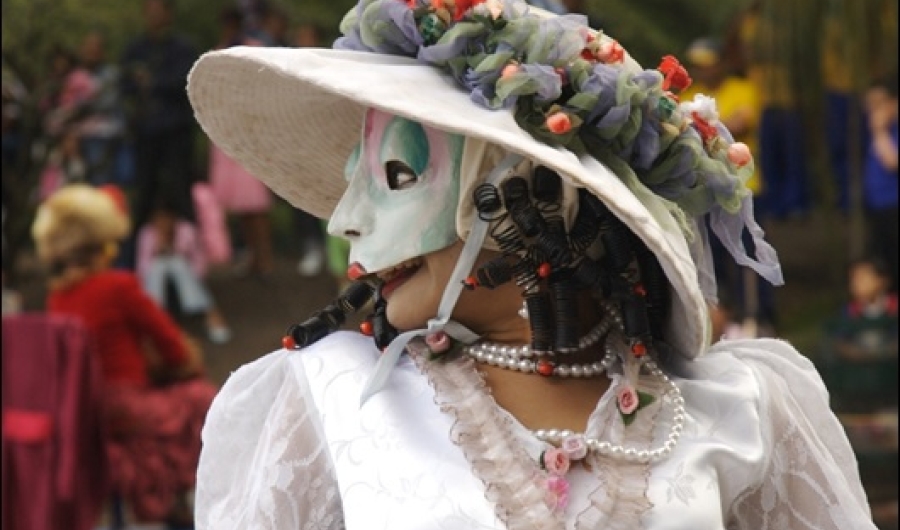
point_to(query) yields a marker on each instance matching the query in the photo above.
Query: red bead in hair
(638, 349)
(544, 270)
(365, 327)
(288, 342)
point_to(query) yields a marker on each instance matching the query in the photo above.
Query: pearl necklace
(542, 367)
(519, 357)
(630, 454)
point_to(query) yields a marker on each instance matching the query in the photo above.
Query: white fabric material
(760, 450)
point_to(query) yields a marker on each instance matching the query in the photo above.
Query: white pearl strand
(518, 357)
(630, 454)
(511, 362)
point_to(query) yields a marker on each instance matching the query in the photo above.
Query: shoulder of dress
(342, 345)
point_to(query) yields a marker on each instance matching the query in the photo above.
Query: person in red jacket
(155, 395)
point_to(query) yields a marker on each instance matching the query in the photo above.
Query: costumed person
(522, 202)
(155, 397)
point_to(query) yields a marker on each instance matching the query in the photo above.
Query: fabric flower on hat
(575, 88)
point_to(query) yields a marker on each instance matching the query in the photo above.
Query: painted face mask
(403, 192)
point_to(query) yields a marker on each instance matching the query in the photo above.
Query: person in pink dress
(237, 191)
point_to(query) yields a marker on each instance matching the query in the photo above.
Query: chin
(406, 291)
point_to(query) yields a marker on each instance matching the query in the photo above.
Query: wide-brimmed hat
(292, 117)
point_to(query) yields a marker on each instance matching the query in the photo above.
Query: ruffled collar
(504, 454)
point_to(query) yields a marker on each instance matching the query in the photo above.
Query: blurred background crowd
(94, 94)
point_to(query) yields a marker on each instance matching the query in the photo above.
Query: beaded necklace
(575, 446)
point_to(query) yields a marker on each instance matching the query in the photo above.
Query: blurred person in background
(155, 396)
(101, 127)
(316, 246)
(840, 104)
(170, 250)
(12, 299)
(65, 92)
(274, 26)
(154, 67)
(738, 104)
(880, 173)
(782, 141)
(237, 191)
(867, 325)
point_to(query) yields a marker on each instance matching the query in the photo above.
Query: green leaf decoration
(644, 399)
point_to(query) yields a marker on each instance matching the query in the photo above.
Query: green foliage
(33, 28)
(649, 29)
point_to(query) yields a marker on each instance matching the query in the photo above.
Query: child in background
(170, 249)
(880, 177)
(867, 326)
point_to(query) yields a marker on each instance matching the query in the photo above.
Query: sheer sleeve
(265, 463)
(810, 479)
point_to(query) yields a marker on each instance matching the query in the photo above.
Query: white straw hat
(292, 117)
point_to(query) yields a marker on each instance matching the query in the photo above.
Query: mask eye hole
(399, 175)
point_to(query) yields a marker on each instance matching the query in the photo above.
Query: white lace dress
(286, 446)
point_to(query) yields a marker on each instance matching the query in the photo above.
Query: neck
(546, 403)
(540, 402)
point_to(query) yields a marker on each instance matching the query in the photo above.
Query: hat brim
(292, 116)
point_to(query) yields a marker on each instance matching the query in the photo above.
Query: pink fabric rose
(575, 447)
(627, 398)
(555, 461)
(557, 492)
(559, 123)
(509, 70)
(438, 342)
(611, 52)
(739, 154)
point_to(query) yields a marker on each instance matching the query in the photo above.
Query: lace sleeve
(265, 463)
(810, 480)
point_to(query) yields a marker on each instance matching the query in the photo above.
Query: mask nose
(353, 217)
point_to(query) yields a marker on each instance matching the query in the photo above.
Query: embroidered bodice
(286, 445)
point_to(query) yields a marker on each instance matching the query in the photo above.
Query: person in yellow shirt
(739, 105)
(737, 99)
(782, 158)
